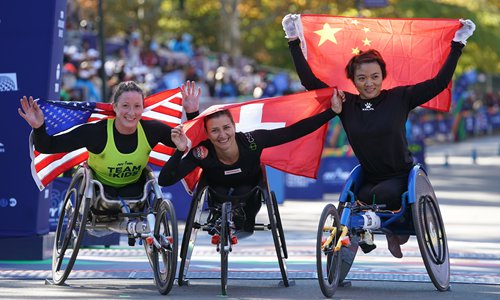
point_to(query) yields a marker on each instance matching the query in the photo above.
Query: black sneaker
(366, 247)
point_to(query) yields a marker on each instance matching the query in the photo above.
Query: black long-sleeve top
(93, 136)
(247, 170)
(375, 128)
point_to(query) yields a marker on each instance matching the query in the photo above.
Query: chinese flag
(414, 49)
(300, 157)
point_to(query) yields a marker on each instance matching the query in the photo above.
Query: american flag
(63, 116)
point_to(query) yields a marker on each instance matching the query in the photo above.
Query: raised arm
(44, 143)
(190, 99)
(306, 75)
(31, 112)
(425, 91)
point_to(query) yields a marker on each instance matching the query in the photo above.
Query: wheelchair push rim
(430, 233)
(70, 228)
(328, 261)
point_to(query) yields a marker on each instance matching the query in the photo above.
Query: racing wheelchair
(341, 229)
(222, 227)
(149, 218)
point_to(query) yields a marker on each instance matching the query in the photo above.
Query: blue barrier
(332, 174)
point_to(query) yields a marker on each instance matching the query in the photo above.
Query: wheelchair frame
(149, 219)
(225, 242)
(338, 232)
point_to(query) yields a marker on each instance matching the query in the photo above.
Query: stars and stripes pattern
(63, 116)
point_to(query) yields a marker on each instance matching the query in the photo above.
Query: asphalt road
(468, 191)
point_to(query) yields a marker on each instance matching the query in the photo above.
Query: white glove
(289, 26)
(465, 31)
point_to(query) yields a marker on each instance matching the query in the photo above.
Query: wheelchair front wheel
(279, 225)
(225, 245)
(164, 260)
(348, 253)
(70, 228)
(431, 236)
(328, 261)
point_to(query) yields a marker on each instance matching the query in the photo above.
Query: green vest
(113, 168)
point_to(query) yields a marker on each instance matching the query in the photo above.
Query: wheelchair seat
(104, 204)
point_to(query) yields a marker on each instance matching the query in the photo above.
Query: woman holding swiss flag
(374, 119)
(231, 160)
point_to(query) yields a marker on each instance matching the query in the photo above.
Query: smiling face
(221, 132)
(128, 108)
(368, 80)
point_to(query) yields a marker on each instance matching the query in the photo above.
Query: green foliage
(262, 34)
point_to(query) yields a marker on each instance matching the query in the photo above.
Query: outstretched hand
(337, 99)
(466, 31)
(31, 112)
(289, 27)
(179, 138)
(190, 97)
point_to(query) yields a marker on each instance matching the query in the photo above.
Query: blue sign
(31, 54)
(332, 174)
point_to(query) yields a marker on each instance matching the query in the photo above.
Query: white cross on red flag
(300, 157)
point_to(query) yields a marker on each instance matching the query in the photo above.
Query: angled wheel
(225, 245)
(190, 234)
(164, 260)
(279, 225)
(328, 261)
(278, 241)
(431, 236)
(348, 254)
(70, 227)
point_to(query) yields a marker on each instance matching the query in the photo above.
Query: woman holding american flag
(118, 147)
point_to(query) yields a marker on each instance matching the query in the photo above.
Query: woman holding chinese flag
(374, 119)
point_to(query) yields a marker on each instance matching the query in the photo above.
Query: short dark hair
(224, 112)
(363, 57)
(127, 86)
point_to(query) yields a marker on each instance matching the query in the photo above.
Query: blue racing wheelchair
(341, 229)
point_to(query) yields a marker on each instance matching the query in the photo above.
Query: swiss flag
(299, 157)
(414, 49)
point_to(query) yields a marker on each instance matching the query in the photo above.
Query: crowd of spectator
(160, 66)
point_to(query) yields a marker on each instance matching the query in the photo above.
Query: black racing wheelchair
(222, 228)
(149, 219)
(341, 229)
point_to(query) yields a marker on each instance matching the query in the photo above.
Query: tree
(253, 27)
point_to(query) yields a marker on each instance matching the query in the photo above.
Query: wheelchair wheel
(70, 228)
(190, 233)
(431, 236)
(348, 254)
(225, 245)
(279, 225)
(164, 260)
(280, 251)
(328, 261)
